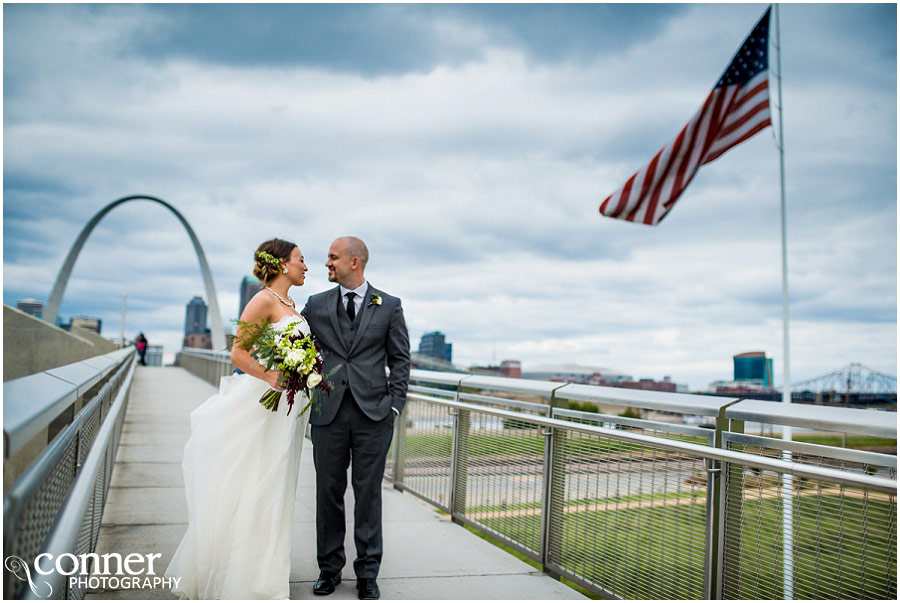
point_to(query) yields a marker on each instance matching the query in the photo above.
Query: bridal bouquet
(298, 356)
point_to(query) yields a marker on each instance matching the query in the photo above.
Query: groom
(362, 330)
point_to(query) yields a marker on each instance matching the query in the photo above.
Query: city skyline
(474, 144)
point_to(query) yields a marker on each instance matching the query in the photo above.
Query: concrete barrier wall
(206, 368)
(31, 345)
(102, 344)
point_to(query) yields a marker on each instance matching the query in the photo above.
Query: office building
(753, 367)
(434, 344)
(195, 316)
(250, 285)
(511, 368)
(31, 306)
(202, 341)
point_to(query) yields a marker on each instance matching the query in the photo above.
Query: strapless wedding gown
(241, 466)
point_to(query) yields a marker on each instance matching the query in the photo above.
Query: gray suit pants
(351, 438)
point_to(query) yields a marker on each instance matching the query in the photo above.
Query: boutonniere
(375, 300)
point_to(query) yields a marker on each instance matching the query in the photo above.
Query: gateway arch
(215, 317)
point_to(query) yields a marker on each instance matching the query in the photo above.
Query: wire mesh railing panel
(647, 509)
(535, 405)
(37, 516)
(674, 431)
(841, 539)
(846, 459)
(89, 428)
(36, 500)
(502, 466)
(628, 519)
(427, 447)
(101, 488)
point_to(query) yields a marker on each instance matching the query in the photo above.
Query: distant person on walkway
(141, 344)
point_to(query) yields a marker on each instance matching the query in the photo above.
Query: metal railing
(209, 365)
(56, 504)
(630, 508)
(651, 509)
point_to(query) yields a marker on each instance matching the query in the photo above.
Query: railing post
(715, 511)
(712, 557)
(459, 465)
(731, 486)
(553, 498)
(553, 495)
(399, 450)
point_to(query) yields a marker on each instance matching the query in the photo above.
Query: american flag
(736, 109)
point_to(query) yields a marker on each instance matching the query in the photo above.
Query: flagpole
(787, 480)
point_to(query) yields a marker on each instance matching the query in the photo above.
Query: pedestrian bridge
(647, 508)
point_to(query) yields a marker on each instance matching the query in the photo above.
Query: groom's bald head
(355, 248)
(347, 260)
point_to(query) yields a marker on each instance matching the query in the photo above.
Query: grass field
(524, 441)
(844, 549)
(652, 546)
(531, 442)
(855, 442)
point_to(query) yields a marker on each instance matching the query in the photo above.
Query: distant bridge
(855, 378)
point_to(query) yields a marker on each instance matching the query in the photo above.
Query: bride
(242, 461)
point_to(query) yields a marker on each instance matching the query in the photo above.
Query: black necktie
(351, 307)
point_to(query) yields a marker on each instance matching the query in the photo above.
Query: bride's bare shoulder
(261, 306)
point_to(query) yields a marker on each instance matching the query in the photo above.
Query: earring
(284, 270)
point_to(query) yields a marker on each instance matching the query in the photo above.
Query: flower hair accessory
(375, 300)
(268, 258)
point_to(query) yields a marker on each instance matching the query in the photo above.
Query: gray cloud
(390, 39)
(470, 146)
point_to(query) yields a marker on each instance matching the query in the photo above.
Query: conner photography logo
(108, 572)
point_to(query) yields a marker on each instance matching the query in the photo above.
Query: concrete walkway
(426, 555)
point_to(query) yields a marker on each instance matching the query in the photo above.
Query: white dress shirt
(360, 296)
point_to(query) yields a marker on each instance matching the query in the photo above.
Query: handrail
(843, 420)
(694, 404)
(674, 428)
(31, 403)
(65, 533)
(877, 423)
(34, 503)
(222, 355)
(708, 452)
(820, 450)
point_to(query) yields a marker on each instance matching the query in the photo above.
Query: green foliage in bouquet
(255, 335)
(296, 355)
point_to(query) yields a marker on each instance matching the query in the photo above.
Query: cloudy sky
(470, 147)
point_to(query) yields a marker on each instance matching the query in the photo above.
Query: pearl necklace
(290, 304)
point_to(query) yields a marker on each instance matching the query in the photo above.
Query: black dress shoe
(366, 588)
(326, 583)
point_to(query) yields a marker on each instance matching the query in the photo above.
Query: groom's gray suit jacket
(375, 339)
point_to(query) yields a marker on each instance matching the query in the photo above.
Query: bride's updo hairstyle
(264, 270)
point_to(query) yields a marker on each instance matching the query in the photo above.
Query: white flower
(294, 358)
(313, 380)
(298, 329)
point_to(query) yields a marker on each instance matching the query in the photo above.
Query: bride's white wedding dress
(241, 465)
